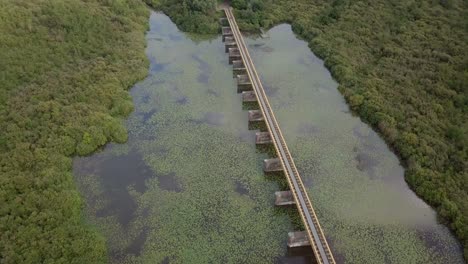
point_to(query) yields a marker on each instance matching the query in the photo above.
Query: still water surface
(188, 185)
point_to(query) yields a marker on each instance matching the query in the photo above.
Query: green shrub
(64, 70)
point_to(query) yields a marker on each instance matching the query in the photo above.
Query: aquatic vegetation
(199, 194)
(356, 183)
(206, 199)
(401, 66)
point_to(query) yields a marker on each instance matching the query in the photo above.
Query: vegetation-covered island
(66, 66)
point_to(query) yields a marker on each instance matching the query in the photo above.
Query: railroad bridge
(251, 87)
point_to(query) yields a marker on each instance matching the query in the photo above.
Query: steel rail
(315, 233)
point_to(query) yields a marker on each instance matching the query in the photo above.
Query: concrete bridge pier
(256, 120)
(263, 143)
(234, 54)
(249, 100)
(284, 198)
(255, 116)
(226, 32)
(243, 83)
(263, 138)
(298, 239)
(229, 42)
(238, 67)
(248, 97)
(272, 165)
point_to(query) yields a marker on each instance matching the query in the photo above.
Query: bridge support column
(256, 120)
(255, 116)
(226, 32)
(229, 42)
(243, 83)
(249, 96)
(284, 198)
(263, 138)
(230, 45)
(272, 165)
(238, 67)
(234, 55)
(298, 239)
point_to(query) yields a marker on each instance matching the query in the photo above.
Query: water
(356, 183)
(188, 186)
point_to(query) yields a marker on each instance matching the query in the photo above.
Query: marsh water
(188, 185)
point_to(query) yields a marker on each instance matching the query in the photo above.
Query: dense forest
(402, 67)
(196, 16)
(65, 67)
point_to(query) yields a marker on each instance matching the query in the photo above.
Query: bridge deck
(314, 231)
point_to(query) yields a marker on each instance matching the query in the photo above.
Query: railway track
(315, 233)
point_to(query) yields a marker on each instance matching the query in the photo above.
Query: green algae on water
(355, 182)
(206, 199)
(188, 186)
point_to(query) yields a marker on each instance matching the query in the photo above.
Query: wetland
(188, 186)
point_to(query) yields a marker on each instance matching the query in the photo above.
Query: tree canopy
(197, 16)
(65, 67)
